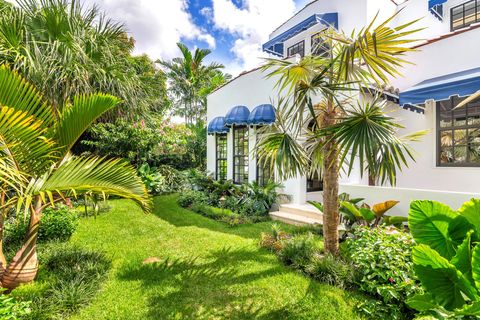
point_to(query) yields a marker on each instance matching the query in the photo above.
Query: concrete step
(306, 210)
(295, 219)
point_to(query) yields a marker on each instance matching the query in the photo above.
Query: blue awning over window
(237, 116)
(275, 45)
(433, 3)
(217, 125)
(462, 83)
(262, 115)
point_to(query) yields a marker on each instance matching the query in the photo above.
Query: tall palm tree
(319, 90)
(36, 166)
(66, 48)
(191, 81)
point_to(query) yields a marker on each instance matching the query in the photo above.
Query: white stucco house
(445, 69)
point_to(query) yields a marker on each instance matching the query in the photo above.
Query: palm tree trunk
(3, 260)
(331, 217)
(24, 266)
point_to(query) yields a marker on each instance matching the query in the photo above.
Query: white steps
(296, 214)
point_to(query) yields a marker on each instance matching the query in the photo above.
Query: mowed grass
(205, 270)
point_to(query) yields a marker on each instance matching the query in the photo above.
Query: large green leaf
(422, 302)
(463, 258)
(352, 209)
(431, 223)
(469, 310)
(441, 279)
(471, 211)
(476, 266)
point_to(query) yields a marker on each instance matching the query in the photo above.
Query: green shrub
(13, 309)
(275, 239)
(74, 277)
(298, 250)
(189, 197)
(57, 224)
(383, 258)
(153, 180)
(331, 270)
(174, 180)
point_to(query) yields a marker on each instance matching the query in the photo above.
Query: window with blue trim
(465, 14)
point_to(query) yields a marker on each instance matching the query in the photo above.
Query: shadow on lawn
(197, 288)
(167, 209)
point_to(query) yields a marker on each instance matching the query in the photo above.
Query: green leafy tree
(67, 49)
(191, 81)
(36, 166)
(341, 131)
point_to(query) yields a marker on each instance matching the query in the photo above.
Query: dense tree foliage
(65, 49)
(191, 81)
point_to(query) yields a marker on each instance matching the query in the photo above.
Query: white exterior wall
(423, 179)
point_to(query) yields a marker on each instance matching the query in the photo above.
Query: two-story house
(445, 70)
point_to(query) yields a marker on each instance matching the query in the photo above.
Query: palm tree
(342, 131)
(191, 81)
(35, 143)
(66, 49)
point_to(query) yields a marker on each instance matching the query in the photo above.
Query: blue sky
(233, 29)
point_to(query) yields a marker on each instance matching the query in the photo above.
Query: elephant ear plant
(37, 169)
(447, 258)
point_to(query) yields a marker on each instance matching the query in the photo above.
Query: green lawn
(207, 270)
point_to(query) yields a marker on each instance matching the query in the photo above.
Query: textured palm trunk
(331, 216)
(3, 260)
(24, 266)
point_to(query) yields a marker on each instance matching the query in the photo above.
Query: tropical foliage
(315, 97)
(191, 81)
(65, 48)
(382, 258)
(446, 258)
(35, 142)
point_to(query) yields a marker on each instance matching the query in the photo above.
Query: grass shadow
(166, 208)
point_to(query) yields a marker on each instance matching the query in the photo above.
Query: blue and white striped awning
(461, 84)
(275, 45)
(263, 114)
(217, 125)
(237, 116)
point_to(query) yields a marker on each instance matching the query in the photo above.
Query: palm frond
(76, 118)
(84, 174)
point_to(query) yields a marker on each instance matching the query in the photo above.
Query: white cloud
(156, 25)
(251, 24)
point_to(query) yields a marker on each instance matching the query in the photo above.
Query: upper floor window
(465, 14)
(458, 133)
(240, 154)
(319, 46)
(221, 157)
(297, 48)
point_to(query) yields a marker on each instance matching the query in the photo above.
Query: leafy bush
(447, 258)
(331, 270)
(256, 199)
(189, 197)
(57, 224)
(13, 309)
(153, 180)
(383, 258)
(174, 180)
(274, 240)
(74, 276)
(298, 250)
